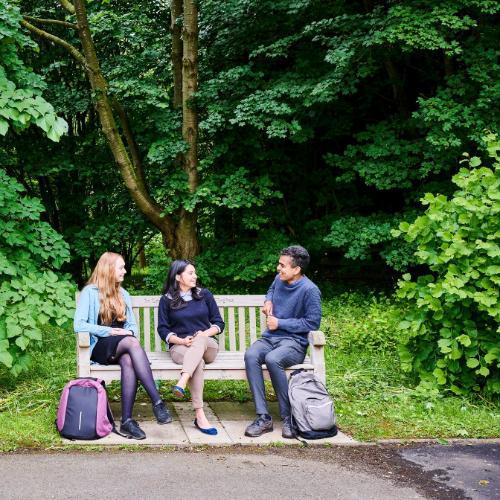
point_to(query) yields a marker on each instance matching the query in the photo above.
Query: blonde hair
(111, 300)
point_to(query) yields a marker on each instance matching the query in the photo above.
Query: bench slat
(239, 300)
(241, 324)
(138, 322)
(231, 329)
(263, 325)
(158, 340)
(222, 335)
(252, 320)
(147, 330)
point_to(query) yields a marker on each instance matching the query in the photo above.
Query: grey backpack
(313, 412)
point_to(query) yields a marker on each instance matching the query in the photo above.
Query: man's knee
(273, 359)
(252, 355)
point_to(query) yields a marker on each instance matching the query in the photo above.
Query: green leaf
(484, 371)
(6, 359)
(472, 362)
(22, 342)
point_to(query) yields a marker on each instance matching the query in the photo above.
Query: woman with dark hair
(105, 311)
(188, 319)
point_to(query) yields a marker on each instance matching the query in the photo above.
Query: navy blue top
(195, 315)
(297, 307)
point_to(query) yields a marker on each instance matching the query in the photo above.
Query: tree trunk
(179, 238)
(186, 239)
(176, 55)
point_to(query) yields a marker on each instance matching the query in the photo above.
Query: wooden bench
(244, 323)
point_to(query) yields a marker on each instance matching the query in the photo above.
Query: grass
(373, 398)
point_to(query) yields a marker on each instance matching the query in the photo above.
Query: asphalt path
(347, 472)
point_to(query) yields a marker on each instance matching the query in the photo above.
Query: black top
(195, 315)
(114, 323)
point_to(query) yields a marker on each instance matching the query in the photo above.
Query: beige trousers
(202, 350)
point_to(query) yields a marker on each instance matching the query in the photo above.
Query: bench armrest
(83, 354)
(317, 342)
(317, 337)
(83, 339)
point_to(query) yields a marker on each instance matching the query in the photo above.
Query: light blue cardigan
(87, 312)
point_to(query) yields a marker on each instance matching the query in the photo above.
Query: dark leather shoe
(259, 426)
(287, 429)
(130, 429)
(161, 413)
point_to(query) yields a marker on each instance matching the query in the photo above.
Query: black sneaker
(161, 413)
(130, 429)
(259, 426)
(287, 429)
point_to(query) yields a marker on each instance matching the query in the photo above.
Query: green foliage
(241, 267)
(357, 321)
(21, 102)
(31, 294)
(325, 127)
(451, 333)
(360, 236)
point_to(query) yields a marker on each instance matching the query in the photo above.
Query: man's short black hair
(299, 256)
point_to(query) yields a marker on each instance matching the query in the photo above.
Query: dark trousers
(277, 353)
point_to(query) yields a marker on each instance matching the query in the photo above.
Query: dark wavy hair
(171, 285)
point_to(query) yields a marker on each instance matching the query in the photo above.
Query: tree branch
(55, 39)
(129, 137)
(67, 5)
(51, 21)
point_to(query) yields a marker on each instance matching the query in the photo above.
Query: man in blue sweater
(292, 308)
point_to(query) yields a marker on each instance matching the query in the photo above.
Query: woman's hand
(120, 331)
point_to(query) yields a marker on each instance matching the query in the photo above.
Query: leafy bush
(451, 334)
(31, 294)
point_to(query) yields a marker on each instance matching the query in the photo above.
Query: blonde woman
(105, 311)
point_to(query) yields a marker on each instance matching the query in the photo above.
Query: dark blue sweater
(195, 315)
(297, 308)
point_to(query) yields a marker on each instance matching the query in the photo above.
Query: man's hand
(267, 309)
(187, 341)
(272, 322)
(120, 331)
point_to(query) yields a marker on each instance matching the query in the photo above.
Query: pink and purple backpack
(84, 411)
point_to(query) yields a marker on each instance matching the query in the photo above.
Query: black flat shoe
(131, 430)
(162, 414)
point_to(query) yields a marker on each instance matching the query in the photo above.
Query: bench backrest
(241, 313)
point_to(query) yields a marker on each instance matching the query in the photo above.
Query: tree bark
(176, 55)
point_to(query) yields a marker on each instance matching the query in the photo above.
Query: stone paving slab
(229, 418)
(186, 416)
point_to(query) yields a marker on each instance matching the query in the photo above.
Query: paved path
(186, 476)
(230, 419)
(474, 469)
(384, 472)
